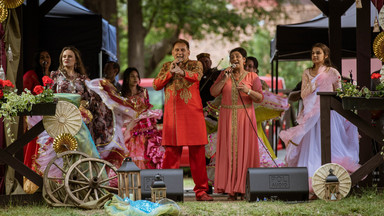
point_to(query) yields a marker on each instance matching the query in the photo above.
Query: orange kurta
(184, 122)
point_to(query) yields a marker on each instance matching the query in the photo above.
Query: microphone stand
(253, 127)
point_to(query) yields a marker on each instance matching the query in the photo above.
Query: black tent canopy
(294, 41)
(70, 23)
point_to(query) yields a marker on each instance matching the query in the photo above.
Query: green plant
(350, 90)
(12, 103)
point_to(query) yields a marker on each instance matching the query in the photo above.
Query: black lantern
(332, 187)
(158, 189)
(129, 180)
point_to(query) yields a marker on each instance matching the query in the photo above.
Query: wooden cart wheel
(87, 180)
(55, 173)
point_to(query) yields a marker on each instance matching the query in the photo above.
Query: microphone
(233, 66)
(179, 60)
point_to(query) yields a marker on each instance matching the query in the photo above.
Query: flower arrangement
(11, 103)
(351, 90)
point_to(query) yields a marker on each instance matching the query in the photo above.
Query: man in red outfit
(184, 123)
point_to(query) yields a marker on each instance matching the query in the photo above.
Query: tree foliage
(166, 20)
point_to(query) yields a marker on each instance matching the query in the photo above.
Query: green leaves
(12, 104)
(350, 90)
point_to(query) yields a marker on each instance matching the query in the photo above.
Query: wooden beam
(322, 5)
(334, 33)
(363, 44)
(367, 168)
(21, 168)
(363, 125)
(30, 36)
(25, 138)
(345, 5)
(325, 119)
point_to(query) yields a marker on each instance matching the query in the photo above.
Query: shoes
(242, 196)
(210, 190)
(232, 197)
(204, 197)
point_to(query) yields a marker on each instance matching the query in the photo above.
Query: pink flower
(38, 89)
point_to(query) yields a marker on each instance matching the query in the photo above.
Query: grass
(369, 202)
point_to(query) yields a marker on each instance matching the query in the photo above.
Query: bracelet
(249, 92)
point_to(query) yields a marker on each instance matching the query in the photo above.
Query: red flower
(38, 89)
(375, 76)
(8, 83)
(47, 80)
(1, 94)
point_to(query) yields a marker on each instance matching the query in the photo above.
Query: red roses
(3, 84)
(40, 89)
(47, 81)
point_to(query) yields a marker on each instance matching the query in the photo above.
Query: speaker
(283, 183)
(173, 179)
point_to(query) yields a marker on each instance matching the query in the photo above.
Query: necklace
(312, 73)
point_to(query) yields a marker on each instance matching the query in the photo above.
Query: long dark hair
(125, 90)
(37, 66)
(255, 62)
(327, 52)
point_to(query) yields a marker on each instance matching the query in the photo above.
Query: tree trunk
(136, 36)
(159, 51)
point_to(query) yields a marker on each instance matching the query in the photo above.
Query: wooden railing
(329, 101)
(6, 154)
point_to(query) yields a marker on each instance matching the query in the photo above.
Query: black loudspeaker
(173, 179)
(283, 183)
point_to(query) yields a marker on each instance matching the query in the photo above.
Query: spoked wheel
(55, 173)
(88, 180)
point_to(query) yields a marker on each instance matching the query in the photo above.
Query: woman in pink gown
(237, 143)
(141, 137)
(304, 140)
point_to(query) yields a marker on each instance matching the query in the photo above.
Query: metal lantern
(158, 189)
(332, 187)
(129, 180)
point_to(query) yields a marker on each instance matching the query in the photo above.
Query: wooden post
(325, 122)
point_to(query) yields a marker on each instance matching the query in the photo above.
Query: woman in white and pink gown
(304, 140)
